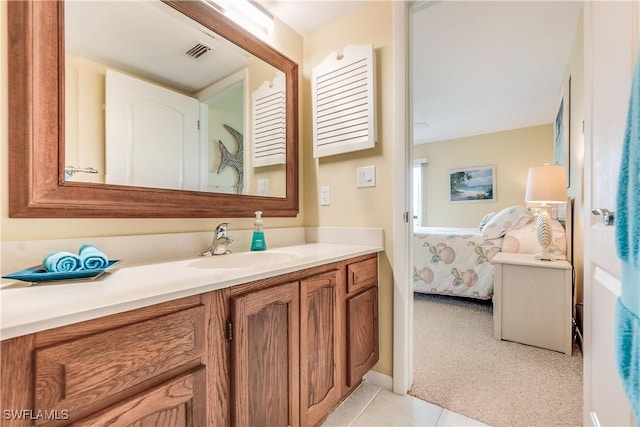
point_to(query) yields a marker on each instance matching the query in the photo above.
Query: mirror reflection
(153, 99)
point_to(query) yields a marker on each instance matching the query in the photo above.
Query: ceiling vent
(197, 51)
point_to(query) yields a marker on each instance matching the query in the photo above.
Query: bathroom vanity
(277, 338)
(273, 340)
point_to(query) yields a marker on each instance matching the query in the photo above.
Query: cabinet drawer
(178, 402)
(75, 374)
(362, 274)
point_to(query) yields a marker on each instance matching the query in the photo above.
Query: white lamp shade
(546, 184)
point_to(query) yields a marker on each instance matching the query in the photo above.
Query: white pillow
(510, 218)
(485, 220)
(559, 236)
(524, 240)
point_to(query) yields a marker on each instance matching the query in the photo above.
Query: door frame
(402, 296)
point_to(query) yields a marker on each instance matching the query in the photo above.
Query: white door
(610, 44)
(152, 137)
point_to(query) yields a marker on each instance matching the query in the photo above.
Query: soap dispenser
(257, 242)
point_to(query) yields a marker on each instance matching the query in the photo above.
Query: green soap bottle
(257, 242)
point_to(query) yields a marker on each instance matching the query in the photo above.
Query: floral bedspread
(454, 262)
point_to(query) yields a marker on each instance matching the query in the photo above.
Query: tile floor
(370, 405)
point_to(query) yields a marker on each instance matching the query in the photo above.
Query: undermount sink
(244, 260)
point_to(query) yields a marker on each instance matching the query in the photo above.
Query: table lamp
(546, 185)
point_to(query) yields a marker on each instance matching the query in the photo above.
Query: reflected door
(152, 135)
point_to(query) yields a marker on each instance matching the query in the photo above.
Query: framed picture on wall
(476, 184)
(561, 130)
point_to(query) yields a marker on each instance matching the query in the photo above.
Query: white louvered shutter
(344, 100)
(269, 122)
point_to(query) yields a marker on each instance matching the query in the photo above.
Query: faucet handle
(222, 229)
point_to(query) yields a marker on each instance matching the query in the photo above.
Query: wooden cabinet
(133, 368)
(78, 373)
(361, 325)
(302, 342)
(285, 350)
(278, 351)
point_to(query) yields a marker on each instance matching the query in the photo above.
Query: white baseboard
(381, 380)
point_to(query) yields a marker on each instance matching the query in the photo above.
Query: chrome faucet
(221, 241)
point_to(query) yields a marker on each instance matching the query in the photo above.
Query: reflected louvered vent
(269, 123)
(198, 50)
(343, 97)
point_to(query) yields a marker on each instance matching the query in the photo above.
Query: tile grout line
(365, 407)
(442, 409)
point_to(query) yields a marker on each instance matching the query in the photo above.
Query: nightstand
(532, 301)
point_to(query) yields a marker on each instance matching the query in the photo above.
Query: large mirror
(76, 151)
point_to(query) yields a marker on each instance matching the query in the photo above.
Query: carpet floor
(459, 365)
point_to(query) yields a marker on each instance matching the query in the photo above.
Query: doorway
(424, 121)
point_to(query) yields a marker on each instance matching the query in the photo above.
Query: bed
(457, 261)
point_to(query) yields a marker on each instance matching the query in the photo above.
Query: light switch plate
(325, 196)
(366, 176)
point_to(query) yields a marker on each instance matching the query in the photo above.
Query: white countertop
(27, 309)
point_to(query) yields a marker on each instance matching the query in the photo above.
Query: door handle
(606, 215)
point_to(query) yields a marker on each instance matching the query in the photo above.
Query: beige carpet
(460, 366)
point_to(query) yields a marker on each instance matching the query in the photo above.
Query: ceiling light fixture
(248, 14)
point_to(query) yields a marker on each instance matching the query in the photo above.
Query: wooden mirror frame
(37, 188)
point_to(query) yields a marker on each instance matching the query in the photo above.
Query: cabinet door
(362, 334)
(175, 403)
(319, 352)
(264, 357)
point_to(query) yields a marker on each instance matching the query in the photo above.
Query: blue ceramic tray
(37, 274)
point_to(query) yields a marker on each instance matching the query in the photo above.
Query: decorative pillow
(524, 240)
(510, 218)
(559, 236)
(485, 220)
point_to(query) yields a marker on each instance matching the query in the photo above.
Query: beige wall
(351, 206)
(283, 38)
(512, 152)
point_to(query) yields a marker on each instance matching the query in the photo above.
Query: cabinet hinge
(229, 330)
(406, 217)
(198, 126)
